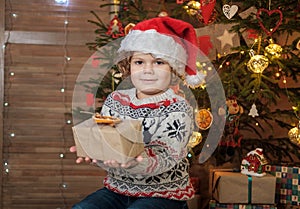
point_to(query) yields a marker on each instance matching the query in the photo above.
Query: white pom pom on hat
(170, 39)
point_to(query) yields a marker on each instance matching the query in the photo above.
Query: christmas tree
(259, 68)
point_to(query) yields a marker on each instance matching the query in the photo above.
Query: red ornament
(115, 28)
(270, 31)
(207, 8)
(89, 99)
(205, 44)
(95, 61)
(252, 34)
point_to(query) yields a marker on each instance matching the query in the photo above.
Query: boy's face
(150, 76)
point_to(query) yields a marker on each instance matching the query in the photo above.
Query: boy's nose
(148, 68)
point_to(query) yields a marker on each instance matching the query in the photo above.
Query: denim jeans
(106, 199)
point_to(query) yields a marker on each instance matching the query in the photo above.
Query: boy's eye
(160, 62)
(138, 62)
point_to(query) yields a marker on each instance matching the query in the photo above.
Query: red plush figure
(230, 142)
(231, 136)
(233, 108)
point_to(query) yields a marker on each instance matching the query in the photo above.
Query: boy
(153, 53)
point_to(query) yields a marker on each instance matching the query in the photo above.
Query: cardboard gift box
(287, 184)
(215, 205)
(234, 187)
(121, 142)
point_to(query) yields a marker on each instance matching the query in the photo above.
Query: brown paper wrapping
(232, 187)
(104, 142)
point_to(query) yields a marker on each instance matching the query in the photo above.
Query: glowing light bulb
(61, 1)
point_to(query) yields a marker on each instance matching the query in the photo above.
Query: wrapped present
(121, 142)
(287, 184)
(235, 187)
(215, 205)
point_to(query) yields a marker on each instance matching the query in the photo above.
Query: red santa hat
(170, 39)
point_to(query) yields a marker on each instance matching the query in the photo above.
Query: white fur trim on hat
(195, 81)
(158, 44)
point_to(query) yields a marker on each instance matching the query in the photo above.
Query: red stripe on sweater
(179, 194)
(125, 100)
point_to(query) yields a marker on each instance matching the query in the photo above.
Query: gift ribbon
(249, 188)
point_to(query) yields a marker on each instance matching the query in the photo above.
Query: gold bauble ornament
(257, 63)
(273, 49)
(294, 134)
(195, 139)
(192, 7)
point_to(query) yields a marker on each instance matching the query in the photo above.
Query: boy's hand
(115, 164)
(81, 159)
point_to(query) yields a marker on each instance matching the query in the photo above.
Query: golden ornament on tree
(273, 49)
(294, 134)
(257, 63)
(195, 139)
(192, 7)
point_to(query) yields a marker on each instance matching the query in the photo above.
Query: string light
(6, 53)
(66, 121)
(61, 1)
(284, 81)
(6, 167)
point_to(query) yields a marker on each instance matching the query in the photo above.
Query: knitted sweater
(167, 121)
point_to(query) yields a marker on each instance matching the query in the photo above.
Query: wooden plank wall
(38, 170)
(2, 22)
(35, 130)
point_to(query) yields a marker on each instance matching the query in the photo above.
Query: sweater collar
(167, 95)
